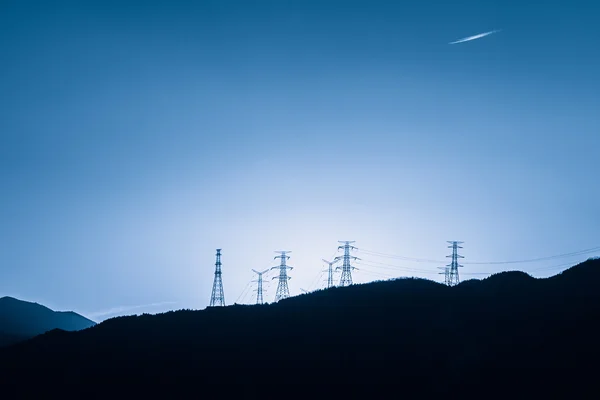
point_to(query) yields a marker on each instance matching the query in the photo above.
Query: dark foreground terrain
(509, 334)
(21, 320)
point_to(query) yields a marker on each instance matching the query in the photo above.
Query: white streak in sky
(122, 309)
(479, 36)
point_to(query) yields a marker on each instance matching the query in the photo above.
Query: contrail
(479, 36)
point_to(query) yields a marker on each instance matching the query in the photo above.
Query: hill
(509, 332)
(6, 339)
(20, 320)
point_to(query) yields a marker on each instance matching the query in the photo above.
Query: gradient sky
(138, 137)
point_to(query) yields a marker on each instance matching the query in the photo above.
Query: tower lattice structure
(346, 278)
(330, 272)
(451, 277)
(283, 291)
(259, 291)
(217, 298)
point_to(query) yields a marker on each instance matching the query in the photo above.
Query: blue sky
(138, 137)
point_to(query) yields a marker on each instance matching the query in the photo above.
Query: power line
(394, 267)
(283, 291)
(575, 253)
(316, 280)
(369, 272)
(243, 291)
(425, 260)
(412, 269)
(552, 267)
(369, 263)
(386, 255)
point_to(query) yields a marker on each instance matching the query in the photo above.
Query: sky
(138, 137)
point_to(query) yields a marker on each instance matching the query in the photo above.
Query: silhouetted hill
(583, 279)
(20, 320)
(7, 339)
(508, 333)
(501, 283)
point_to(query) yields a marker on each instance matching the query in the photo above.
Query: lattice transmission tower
(451, 277)
(283, 291)
(330, 272)
(259, 291)
(346, 278)
(217, 298)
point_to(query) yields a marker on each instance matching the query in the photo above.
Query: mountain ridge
(404, 330)
(21, 320)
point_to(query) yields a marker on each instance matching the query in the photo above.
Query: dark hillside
(422, 336)
(21, 320)
(6, 339)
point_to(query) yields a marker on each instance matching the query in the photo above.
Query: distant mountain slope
(21, 320)
(423, 337)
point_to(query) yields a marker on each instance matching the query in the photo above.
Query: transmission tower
(303, 290)
(451, 271)
(217, 298)
(330, 271)
(346, 278)
(259, 291)
(283, 292)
